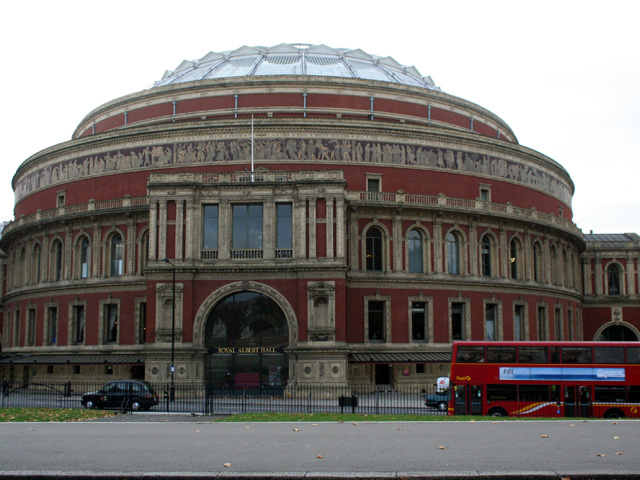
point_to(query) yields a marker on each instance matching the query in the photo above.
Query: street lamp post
(172, 388)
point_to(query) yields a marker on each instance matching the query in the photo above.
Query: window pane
(284, 239)
(501, 354)
(457, 321)
(633, 354)
(376, 321)
(117, 255)
(534, 393)
(609, 354)
(470, 355)
(533, 355)
(496, 393)
(415, 252)
(418, 322)
(453, 254)
(576, 354)
(374, 250)
(210, 227)
(490, 322)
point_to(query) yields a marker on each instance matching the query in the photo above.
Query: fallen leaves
(441, 447)
(319, 456)
(296, 429)
(544, 436)
(227, 465)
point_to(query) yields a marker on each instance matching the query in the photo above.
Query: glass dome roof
(296, 59)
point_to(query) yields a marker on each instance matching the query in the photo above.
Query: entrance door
(468, 400)
(382, 374)
(577, 401)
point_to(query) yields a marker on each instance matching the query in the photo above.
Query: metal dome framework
(296, 59)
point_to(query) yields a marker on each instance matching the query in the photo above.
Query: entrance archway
(246, 334)
(617, 333)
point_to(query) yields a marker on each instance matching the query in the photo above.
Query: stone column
(153, 230)
(329, 227)
(473, 248)
(340, 230)
(162, 229)
(397, 242)
(179, 229)
(437, 246)
(312, 227)
(269, 221)
(191, 230)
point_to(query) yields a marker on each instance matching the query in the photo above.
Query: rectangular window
(52, 314)
(375, 310)
(420, 368)
(247, 231)
(576, 354)
(457, 321)
(518, 323)
(490, 319)
(142, 333)
(533, 355)
(79, 323)
(210, 232)
(111, 323)
(31, 327)
(542, 323)
(418, 322)
(485, 194)
(633, 354)
(16, 329)
(76, 369)
(569, 325)
(501, 354)
(558, 322)
(373, 185)
(284, 227)
(609, 354)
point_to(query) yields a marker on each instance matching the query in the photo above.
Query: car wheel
(89, 404)
(442, 406)
(136, 406)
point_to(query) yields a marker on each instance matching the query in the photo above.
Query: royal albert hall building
(296, 215)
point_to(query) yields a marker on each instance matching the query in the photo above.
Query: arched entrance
(617, 333)
(246, 334)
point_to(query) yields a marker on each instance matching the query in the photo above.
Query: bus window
(554, 354)
(501, 354)
(533, 355)
(501, 393)
(555, 393)
(634, 394)
(576, 354)
(609, 354)
(633, 354)
(470, 354)
(534, 393)
(609, 394)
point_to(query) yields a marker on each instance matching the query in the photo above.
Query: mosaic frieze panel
(322, 150)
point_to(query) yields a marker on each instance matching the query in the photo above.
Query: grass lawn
(50, 414)
(350, 417)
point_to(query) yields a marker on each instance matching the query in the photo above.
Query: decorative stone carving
(321, 311)
(322, 150)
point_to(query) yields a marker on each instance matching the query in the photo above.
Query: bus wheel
(613, 413)
(497, 412)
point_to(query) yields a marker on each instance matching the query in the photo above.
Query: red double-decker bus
(546, 379)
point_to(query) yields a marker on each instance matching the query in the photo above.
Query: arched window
(514, 260)
(20, 277)
(554, 265)
(453, 253)
(84, 266)
(613, 278)
(56, 261)
(415, 252)
(116, 251)
(36, 264)
(374, 250)
(568, 278)
(486, 256)
(252, 322)
(617, 333)
(537, 262)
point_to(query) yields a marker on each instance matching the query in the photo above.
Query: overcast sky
(564, 75)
